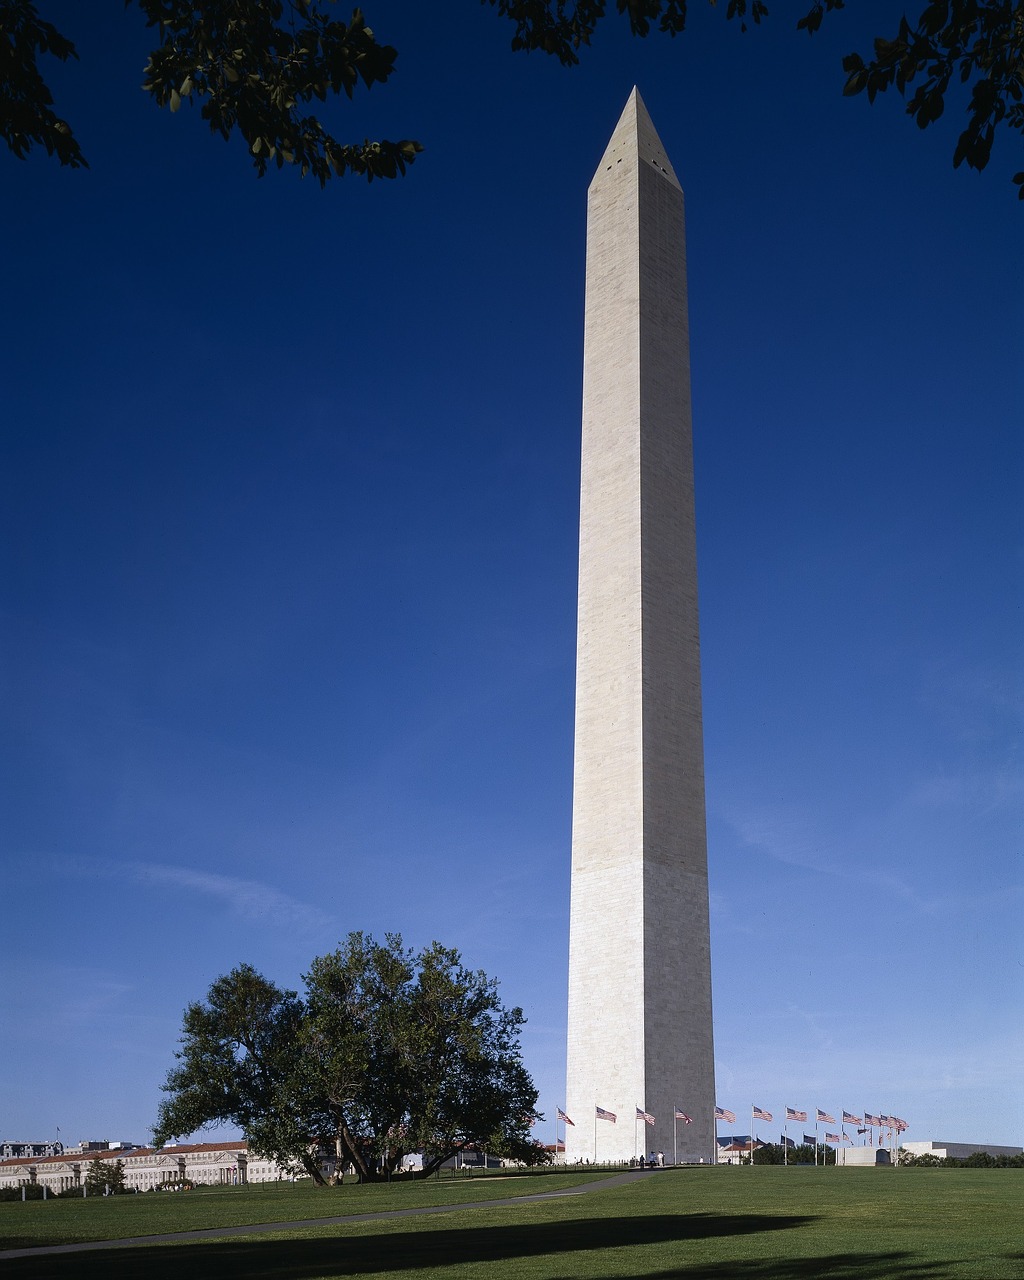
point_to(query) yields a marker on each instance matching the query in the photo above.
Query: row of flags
(601, 1114)
(822, 1117)
(865, 1122)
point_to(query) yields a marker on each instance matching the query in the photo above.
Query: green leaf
(855, 83)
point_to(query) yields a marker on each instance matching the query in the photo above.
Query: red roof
(186, 1149)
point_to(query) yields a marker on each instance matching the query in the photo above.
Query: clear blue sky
(289, 563)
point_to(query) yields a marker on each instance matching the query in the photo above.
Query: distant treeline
(976, 1160)
(775, 1153)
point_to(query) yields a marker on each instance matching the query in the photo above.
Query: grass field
(712, 1223)
(73, 1221)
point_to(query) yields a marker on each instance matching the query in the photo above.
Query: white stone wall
(639, 961)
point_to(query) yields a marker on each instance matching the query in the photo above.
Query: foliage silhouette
(254, 66)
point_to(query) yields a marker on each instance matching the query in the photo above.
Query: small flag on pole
(850, 1118)
(565, 1118)
(810, 1140)
(604, 1115)
(825, 1118)
(787, 1142)
(645, 1116)
(793, 1114)
(722, 1114)
(681, 1115)
(758, 1114)
(832, 1137)
(874, 1121)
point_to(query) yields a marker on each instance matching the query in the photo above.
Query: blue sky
(288, 583)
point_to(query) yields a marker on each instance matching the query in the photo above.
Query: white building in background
(20, 1150)
(147, 1168)
(863, 1156)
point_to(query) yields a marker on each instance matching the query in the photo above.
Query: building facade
(30, 1150)
(147, 1168)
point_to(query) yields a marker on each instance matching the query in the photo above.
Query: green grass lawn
(711, 1223)
(72, 1221)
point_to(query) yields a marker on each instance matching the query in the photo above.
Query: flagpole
(595, 1133)
(815, 1140)
(751, 1135)
(714, 1149)
(675, 1155)
(785, 1142)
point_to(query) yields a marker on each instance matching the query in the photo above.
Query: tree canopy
(255, 66)
(104, 1178)
(388, 1053)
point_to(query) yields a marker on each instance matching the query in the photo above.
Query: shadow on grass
(270, 1258)
(835, 1266)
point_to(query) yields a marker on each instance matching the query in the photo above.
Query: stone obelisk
(640, 1034)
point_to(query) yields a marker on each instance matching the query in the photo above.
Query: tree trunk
(345, 1141)
(313, 1169)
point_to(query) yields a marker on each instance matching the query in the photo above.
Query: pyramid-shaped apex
(635, 134)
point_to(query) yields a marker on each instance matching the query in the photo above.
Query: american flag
(644, 1115)
(722, 1114)
(900, 1124)
(850, 1118)
(758, 1114)
(832, 1137)
(603, 1115)
(825, 1118)
(793, 1114)
(563, 1116)
(874, 1121)
(681, 1115)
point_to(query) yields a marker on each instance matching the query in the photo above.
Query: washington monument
(640, 1037)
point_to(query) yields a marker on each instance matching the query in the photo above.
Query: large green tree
(237, 1064)
(104, 1178)
(389, 1052)
(257, 66)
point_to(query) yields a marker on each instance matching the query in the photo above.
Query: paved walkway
(253, 1228)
